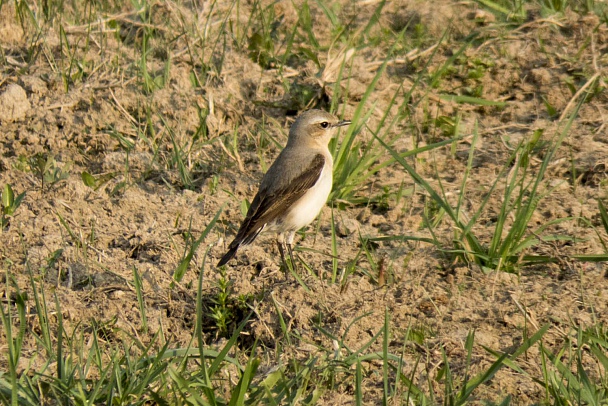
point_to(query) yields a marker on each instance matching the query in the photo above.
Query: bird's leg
(293, 262)
(289, 244)
(280, 245)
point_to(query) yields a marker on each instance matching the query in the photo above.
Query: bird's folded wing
(268, 206)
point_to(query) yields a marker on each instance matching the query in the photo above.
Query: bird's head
(315, 127)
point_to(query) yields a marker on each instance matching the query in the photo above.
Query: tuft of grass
(508, 10)
(10, 204)
(134, 372)
(357, 161)
(45, 168)
(130, 373)
(521, 196)
(226, 308)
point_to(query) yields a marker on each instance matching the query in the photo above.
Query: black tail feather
(242, 238)
(229, 255)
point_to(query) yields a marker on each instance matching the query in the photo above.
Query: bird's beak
(342, 123)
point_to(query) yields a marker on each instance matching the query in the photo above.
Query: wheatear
(295, 188)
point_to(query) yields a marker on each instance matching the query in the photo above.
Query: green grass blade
(140, 298)
(603, 214)
(282, 323)
(181, 269)
(207, 384)
(358, 383)
(242, 388)
(221, 356)
(467, 170)
(373, 20)
(471, 100)
(476, 246)
(334, 249)
(385, 341)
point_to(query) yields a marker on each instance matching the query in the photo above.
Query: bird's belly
(306, 209)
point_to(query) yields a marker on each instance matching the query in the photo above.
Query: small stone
(14, 104)
(483, 17)
(34, 84)
(364, 215)
(116, 294)
(346, 227)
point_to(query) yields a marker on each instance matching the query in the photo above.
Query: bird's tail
(242, 238)
(232, 249)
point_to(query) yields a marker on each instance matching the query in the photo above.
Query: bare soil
(143, 217)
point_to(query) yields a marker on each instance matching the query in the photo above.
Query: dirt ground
(83, 244)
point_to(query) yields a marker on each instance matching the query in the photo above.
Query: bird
(296, 186)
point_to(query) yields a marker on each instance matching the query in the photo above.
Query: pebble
(14, 104)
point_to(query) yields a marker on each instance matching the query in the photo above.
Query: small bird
(295, 188)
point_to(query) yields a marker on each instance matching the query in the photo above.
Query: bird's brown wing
(268, 206)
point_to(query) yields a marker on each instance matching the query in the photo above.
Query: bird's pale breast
(306, 209)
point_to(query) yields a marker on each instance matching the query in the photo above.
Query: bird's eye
(324, 124)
